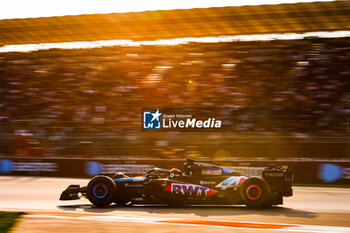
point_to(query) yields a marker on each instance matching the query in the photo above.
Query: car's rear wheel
(101, 190)
(255, 193)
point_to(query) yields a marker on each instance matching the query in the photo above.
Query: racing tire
(101, 191)
(255, 193)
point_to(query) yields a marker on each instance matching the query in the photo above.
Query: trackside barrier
(306, 172)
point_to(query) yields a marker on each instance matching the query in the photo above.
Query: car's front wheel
(101, 190)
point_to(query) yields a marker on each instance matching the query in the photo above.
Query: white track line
(323, 191)
(177, 221)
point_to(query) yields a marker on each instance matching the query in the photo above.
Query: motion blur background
(74, 86)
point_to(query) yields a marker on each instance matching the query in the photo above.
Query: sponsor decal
(212, 171)
(190, 189)
(248, 171)
(204, 182)
(133, 185)
(274, 174)
(233, 181)
(199, 164)
(173, 174)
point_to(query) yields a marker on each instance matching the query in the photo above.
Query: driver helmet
(174, 172)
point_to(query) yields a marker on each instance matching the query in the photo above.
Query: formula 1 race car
(200, 183)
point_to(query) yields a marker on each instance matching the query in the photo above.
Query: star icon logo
(156, 115)
(151, 120)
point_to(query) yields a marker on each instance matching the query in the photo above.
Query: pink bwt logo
(190, 189)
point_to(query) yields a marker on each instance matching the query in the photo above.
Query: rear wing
(279, 179)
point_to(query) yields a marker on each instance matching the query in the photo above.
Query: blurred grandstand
(87, 102)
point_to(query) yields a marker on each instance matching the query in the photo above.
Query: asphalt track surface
(309, 210)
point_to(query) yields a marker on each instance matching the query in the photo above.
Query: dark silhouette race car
(199, 183)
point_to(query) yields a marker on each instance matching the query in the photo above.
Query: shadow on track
(203, 211)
